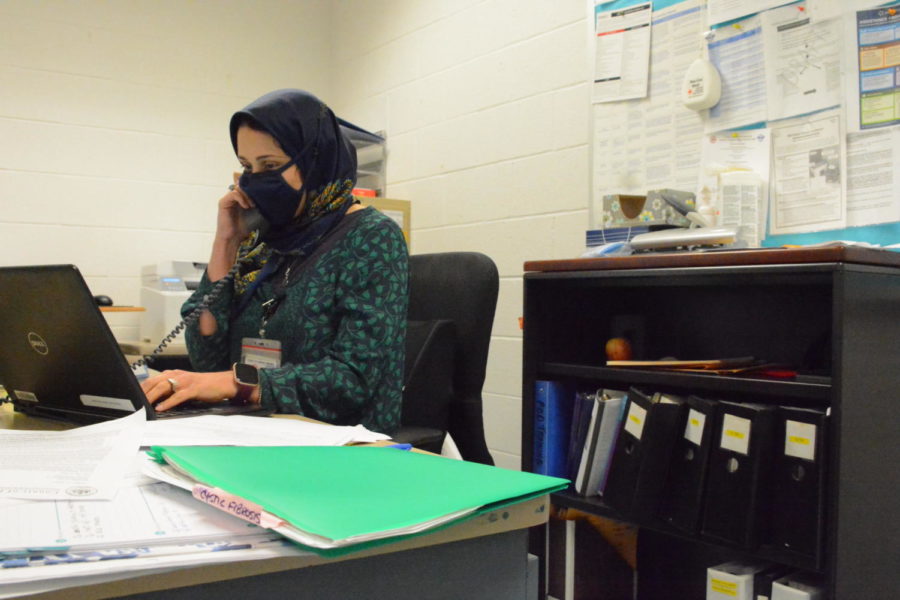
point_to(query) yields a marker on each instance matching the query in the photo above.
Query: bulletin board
(809, 112)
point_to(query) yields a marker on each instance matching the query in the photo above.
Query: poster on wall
(878, 51)
(621, 52)
(737, 53)
(808, 174)
(652, 142)
(803, 61)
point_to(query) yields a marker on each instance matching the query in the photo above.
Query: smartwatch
(247, 379)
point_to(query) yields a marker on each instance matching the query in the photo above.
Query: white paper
(245, 430)
(652, 142)
(803, 61)
(86, 462)
(15, 583)
(634, 421)
(735, 434)
(693, 430)
(829, 9)
(621, 52)
(141, 515)
(729, 151)
(800, 440)
(808, 174)
(873, 189)
(727, 10)
(737, 52)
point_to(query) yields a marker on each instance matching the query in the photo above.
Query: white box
(732, 581)
(798, 586)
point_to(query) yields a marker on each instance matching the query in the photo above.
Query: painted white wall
(485, 105)
(113, 116)
(114, 121)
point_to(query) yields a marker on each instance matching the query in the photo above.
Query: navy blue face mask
(276, 200)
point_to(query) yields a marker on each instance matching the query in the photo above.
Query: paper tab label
(236, 506)
(800, 440)
(736, 434)
(693, 431)
(729, 588)
(634, 424)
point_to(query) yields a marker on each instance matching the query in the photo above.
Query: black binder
(682, 497)
(799, 481)
(736, 499)
(640, 460)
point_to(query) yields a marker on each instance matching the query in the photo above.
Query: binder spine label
(800, 440)
(634, 422)
(236, 506)
(693, 431)
(736, 434)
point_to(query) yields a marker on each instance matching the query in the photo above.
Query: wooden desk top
(754, 257)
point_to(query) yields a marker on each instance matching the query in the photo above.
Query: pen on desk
(400, 446)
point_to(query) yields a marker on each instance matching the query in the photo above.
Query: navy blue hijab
(309, 133)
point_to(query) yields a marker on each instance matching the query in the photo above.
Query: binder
(737, 486)
(799, 481)
(682, 496)
(641, 457)
(612, 403)
(582, 414)
(336, 499)
(553, 404)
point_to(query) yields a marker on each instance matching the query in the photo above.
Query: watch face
(246, 374)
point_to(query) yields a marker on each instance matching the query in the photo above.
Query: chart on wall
(805, 128)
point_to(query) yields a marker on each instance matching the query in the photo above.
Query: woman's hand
(171, 388)
(229, 224)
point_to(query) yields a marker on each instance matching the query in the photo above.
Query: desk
(482, 558)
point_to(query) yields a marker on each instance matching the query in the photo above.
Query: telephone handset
(252, 221)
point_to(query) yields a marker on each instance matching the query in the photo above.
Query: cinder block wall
(114, 117)
(114, 121)
(486, 108)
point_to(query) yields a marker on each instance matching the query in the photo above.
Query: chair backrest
(460, 287)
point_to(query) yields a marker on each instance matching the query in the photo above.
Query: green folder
(353, 497)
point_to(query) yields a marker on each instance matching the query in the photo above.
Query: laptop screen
(58, 357)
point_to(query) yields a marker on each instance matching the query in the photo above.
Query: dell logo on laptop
(38, 343)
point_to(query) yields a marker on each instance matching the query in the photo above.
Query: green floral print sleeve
(341, 324)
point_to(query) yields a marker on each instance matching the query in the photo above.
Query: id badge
(261, 353)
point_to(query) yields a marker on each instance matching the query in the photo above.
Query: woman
(314, 321)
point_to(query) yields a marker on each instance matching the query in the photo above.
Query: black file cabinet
(832, 314)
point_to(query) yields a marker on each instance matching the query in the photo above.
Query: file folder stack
(682, 497)
(737, 489)
(334, 500)
(799, 481)
(640, 460)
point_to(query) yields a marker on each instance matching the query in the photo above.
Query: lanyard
(270, 306)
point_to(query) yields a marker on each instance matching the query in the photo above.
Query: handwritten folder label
(236, 506)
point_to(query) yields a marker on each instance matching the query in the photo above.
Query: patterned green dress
(341, 324)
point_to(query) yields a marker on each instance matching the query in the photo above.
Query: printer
(164, 288)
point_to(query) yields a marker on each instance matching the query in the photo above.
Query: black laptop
(58, 357)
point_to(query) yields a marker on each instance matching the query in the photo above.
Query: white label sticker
(107, 402)
(693, 431)
(24, 396)
(736, 434)
(634, 423)
(800, 440)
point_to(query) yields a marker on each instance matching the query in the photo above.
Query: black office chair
(452, 299)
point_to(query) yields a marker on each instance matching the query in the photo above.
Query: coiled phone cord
(191, 318)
